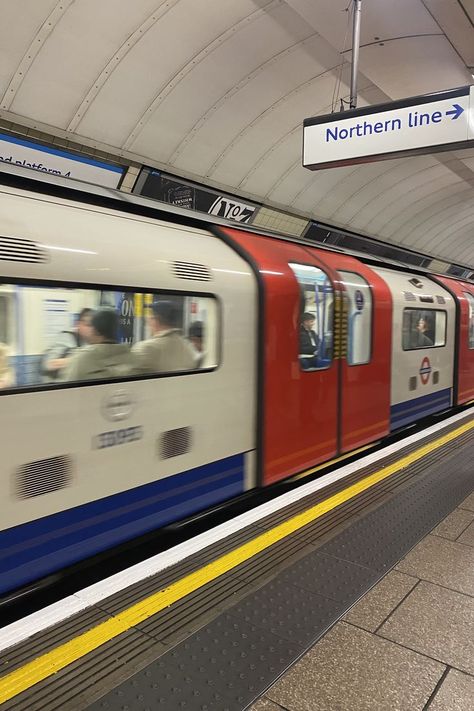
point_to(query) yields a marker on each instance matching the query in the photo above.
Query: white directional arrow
(423, 124)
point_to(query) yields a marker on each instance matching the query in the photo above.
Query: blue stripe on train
(35, 549)
(406, 412)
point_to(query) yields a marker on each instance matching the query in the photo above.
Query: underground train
(305, 354)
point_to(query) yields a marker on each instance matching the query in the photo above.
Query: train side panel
(89, 466)
(464, 295)
(423, 339)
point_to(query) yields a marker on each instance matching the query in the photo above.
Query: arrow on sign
(456, 113)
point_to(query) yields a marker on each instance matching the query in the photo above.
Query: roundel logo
(117, 406)
(425, 370)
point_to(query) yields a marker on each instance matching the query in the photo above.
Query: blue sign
(359, 300)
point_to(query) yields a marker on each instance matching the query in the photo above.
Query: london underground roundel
(425, 370)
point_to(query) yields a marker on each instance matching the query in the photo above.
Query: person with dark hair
(166, 351)
(58, 356)
(104, 357)
(309, 340)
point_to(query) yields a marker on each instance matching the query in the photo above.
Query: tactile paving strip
(231, 661)
(221, 667)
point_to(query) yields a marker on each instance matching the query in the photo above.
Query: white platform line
(63, 609)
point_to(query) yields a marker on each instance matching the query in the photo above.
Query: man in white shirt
(166, 351)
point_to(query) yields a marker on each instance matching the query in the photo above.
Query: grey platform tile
(271, 561)
(264, 704)
(456, 693)
(334, 578)
(193, 611)
(454, 524)
(436, 622)
(353, 670)
(467, 538)
(289, 612)
(378, 603)
(468, 503)
(382, 537)
(440, 561)
(224, 667)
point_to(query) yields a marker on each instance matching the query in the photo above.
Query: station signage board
(53, 161)
(414, 126)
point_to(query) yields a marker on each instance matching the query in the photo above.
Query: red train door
(299, 371)
(464, 295)
(366, 355)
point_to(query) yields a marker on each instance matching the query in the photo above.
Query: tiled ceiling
(216, 91)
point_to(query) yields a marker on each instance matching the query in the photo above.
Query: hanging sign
(414, 126)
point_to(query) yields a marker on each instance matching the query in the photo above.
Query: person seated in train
(309, 342)
(166, 350)
(104, 357)
(7, 378)
(58, 356)
(420, 337)
(195, 336)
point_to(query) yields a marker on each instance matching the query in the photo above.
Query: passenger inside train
(57, 357)
(166, 350)
(58, 335)
(309, 340)
(104, 357)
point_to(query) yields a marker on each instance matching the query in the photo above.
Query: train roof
(71, 189)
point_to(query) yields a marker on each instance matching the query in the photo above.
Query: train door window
(359, 318)
(316, 317)
(470, 301)
(66, 335)
(423, 328)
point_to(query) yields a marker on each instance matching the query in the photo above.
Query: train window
(423, 328)
(359, 318)
(66, 335)
(470, 301)
(315, 318)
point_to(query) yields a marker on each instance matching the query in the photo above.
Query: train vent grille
(189, 270)
(43, 476)
(175, 442)
(409, 296)
(440, 299)
(16, 249)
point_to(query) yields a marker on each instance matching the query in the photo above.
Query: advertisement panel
(159, 186)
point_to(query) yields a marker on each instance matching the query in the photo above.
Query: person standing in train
(104, 357)
(55, 360)
(166, 351)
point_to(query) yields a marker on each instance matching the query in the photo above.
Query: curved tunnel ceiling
(216, 90)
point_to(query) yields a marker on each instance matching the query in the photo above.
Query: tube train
(306, 354)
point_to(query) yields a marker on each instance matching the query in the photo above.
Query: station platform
(357, 592)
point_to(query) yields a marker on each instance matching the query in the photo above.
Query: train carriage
(91, 462)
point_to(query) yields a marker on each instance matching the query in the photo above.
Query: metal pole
(355, 52)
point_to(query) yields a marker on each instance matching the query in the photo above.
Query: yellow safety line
(48, 664)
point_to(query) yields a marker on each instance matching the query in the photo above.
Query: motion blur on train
(153, 366)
